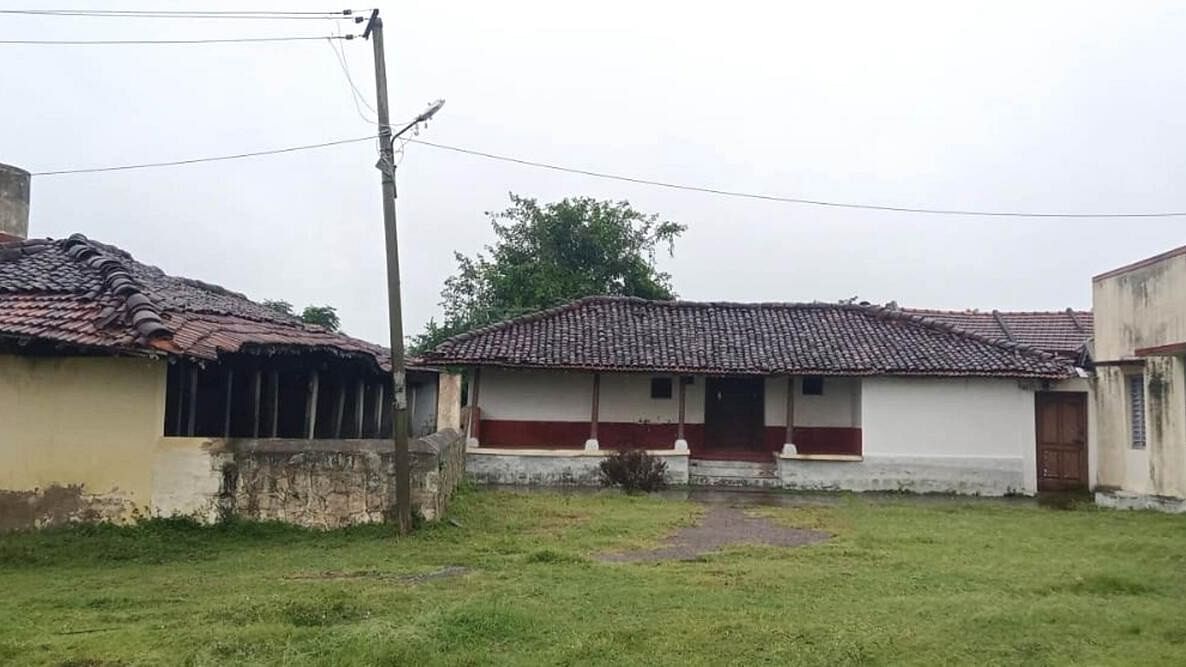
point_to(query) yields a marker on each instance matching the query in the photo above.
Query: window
(660, 387)
(813, 385)
(1136, 411)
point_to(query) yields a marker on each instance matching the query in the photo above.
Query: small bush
(634, 470)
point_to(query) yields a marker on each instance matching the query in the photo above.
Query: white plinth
(681, 445)
(789, 450)
(591, 445)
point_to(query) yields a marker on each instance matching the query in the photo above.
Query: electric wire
(216, 158)
(627, 179)
(109, 42)
(788, 200)
(349, 14)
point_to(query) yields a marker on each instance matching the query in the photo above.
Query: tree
(551, 254)
(325, 316)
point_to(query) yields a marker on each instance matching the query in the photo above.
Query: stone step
(703, 472)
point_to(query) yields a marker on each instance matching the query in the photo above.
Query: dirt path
(721, 527)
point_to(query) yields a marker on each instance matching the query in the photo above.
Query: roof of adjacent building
(1064, 332)
(80, 293)
(630, 334)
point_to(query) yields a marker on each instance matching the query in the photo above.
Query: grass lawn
(907, 580)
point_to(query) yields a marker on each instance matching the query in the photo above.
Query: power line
(189, 14)
(108, 42)
(788, 200)
(627, 179)
(217, 158)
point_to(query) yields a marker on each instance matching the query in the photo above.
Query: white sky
(1052, 106)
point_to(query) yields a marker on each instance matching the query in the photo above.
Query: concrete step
(702, 472)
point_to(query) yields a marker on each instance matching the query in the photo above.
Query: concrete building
(809, 396)
(120, 385)
(1140, 389)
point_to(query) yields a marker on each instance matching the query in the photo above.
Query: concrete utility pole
(386, 165)
(399, 396)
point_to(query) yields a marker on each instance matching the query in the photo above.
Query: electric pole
(399, 398)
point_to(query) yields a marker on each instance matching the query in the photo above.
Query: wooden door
(1062, 440)
(733, 413)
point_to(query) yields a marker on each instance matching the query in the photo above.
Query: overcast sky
(1046, 106)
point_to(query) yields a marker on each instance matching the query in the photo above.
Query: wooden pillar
(340, 408)
(311, 405)
(591, 445)
(193, 400)
(681, 442)
(379, 390)
(179, 398)
(256, 381)
(360, 395)
(472, 425)
(788, 441)
(226, 413)
(275, 407)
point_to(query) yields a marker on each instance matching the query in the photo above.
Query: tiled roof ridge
(988, 313)
(885, 312)
(107, 261)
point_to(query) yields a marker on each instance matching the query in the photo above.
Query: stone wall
(335, 483)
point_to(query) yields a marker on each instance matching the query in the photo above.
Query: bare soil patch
(721, 527)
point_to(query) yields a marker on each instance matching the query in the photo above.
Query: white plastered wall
(838, 406)
(537, 395)
(974, 418)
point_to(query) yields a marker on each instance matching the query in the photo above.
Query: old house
(796, 395)
(1140, 392)
(120, 384)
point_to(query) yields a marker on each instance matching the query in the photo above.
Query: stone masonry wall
(335, 483)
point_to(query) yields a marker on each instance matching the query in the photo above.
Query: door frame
(1079, 397)
(758, 439)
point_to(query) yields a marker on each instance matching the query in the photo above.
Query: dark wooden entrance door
(733, 413)
(1062, 440)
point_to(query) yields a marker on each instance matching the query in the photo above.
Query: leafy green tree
(546, 255)
(326, 316)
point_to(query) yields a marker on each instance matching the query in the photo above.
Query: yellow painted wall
(81, 420)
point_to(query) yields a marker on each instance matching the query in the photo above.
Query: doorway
(1062, 440)
(734, 413)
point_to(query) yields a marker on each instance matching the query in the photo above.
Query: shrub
(634, 470)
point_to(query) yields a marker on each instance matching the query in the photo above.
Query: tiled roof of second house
(81, 293)
(619, 333)
(1063, 332)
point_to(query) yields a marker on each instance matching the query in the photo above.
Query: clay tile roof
(620, 333)
(80, 292)
(1064, 332)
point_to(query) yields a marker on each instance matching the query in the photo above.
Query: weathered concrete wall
(77, 437)
(187, 476)
(1140, 307)
(986, 476)
(976, 418)
(335, 483)
(449, 401)
(1136, 307)
(528, 467)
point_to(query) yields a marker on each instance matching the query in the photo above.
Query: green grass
(919, 581)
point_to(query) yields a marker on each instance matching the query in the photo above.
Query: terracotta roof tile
(619, 333)
(81, 292)
(1063, 332)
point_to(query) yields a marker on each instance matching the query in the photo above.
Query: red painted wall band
(627, 435)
